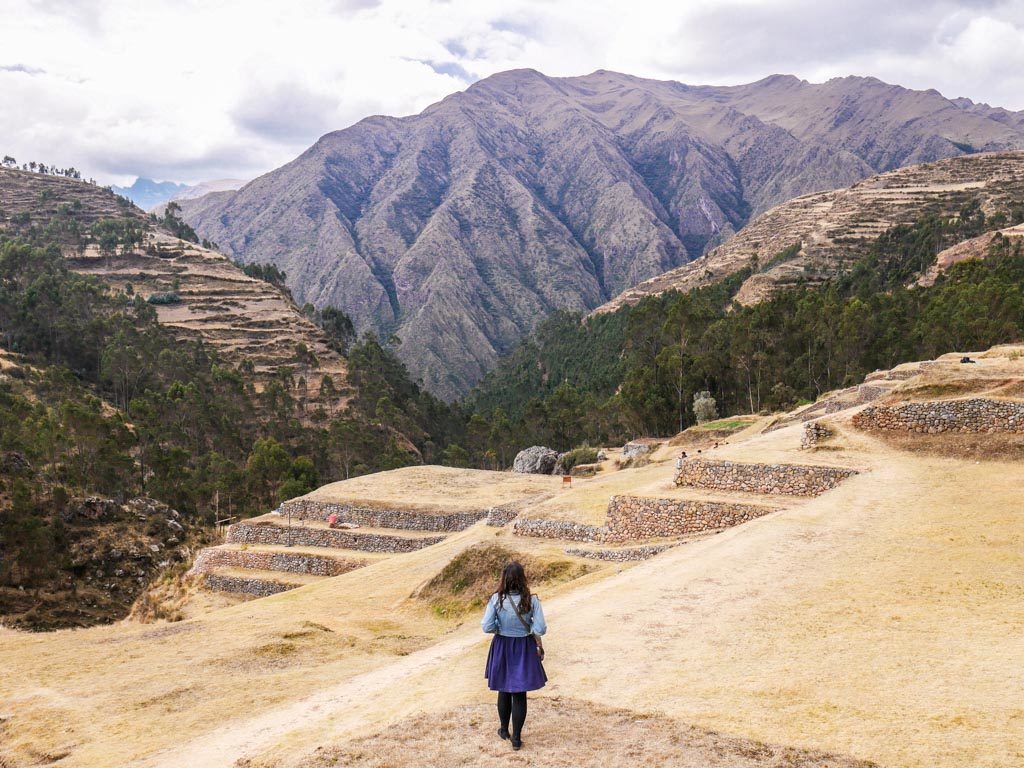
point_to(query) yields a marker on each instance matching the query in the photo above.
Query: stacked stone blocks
(381, 517)
(255, 587)
(297, 535)
(262, 560)
(769, 479)
(977, 415)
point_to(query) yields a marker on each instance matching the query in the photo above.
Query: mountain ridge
(459, 228)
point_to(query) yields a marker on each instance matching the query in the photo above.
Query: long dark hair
(513, 579)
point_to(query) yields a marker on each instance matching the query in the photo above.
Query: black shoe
(503, 733)
(516, 743)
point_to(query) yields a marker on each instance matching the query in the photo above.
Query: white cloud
(189, 90)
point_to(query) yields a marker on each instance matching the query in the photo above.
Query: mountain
(147, 193)
(460, 228)
(813, 237)
(206, 187)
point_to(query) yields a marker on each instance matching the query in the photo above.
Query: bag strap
(519, 616)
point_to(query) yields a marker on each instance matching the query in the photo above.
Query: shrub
(704, 407)
(581, 455)
(164, 298)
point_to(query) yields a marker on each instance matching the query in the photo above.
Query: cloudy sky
(202, 89)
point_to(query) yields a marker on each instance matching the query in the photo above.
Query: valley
(460, 228)
(727, 378)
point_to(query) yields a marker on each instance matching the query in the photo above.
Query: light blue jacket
(504, 621)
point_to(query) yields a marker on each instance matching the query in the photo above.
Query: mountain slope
(810, 238)
(459, 228)
(147, 193)
(242, 318)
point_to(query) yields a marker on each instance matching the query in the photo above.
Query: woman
(514, 666)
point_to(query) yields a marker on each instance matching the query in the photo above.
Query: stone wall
(254, 587)
(975, 415)
(633, 518)
(268, 533)
(814, 433)
(640, 517)
(381, 517)
(786, 479)
(292, 562)
(626, 554)
(503, 515)
(559, 529)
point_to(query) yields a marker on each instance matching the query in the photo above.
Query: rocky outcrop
(460, 228)
(975, 415)
(536, 460)
(784, 479)
(636, 448)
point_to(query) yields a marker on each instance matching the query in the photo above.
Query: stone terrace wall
(976, 415)
(382, 517)
(814, 433)
(503, 515)
(638, 517)
(632, 518)
(558, 529)
(787, 479)
(268, 533)
(274, 561)
(621, 555)
(254, 587)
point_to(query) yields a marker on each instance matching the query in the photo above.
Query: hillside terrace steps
(264, 555)
(709, 495)
(255, 582)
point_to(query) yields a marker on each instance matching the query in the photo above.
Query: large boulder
(637, 448)
(535, 460)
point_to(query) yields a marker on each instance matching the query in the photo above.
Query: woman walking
(516, 620)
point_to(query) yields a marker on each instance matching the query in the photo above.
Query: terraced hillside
(826, 231)
(243, 318)
(383, 514)
(818, 634)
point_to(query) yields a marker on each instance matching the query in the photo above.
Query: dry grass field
(882, 621)
(445, 489)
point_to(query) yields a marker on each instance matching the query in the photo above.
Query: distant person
(514, 662)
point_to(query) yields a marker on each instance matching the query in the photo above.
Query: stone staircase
(272, 553)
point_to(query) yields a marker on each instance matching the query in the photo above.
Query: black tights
(512, 706)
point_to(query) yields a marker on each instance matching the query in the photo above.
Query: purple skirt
(513, 665)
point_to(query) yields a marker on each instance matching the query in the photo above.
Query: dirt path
(343, 705)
